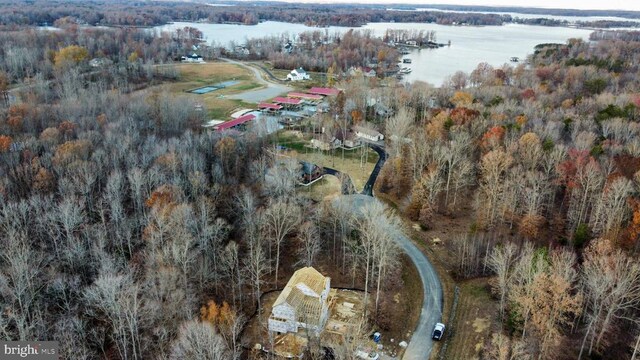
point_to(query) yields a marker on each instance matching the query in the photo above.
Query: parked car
(438, 331)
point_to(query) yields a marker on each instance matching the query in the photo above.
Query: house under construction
(302, 304)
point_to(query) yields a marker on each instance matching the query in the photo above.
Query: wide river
(470, 45)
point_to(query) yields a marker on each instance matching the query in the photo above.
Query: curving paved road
(421, 343)
(270, 90)
(382, 157)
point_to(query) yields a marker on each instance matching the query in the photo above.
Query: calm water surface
(470, 45)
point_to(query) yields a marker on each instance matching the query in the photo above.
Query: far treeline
(540, 11)
(125, 13)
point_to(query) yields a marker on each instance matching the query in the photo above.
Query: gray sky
(564, 4)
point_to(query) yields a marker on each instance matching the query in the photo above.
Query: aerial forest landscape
(234, 180)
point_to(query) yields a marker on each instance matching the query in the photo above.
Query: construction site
(346, 310)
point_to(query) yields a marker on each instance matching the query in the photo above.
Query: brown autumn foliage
(66, 128)
(70, 151)
(44, 181)
(493, 138)
(163, 197)
(16, 116)
(462, 99)
(218, 315)
(168, 162)
(530, 226)
(5, 143)
(50, 136)
(462, 115)
(70, 55)
(101, 120)
(630, 241)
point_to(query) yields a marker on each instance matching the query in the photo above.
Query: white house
(369, 72)
(193, 58)
(367, 133)
(325, 143)
(303, 303)
(298, 74)
(99, 62)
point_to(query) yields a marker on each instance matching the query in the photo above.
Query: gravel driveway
(270, 90)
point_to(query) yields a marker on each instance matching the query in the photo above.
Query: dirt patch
(481, 324)
(345, 308)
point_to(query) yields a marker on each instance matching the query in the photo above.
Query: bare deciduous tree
(199, 340)
(310, 243)
(501, 262)
(611, 283)
(114, 299)
(279, 220)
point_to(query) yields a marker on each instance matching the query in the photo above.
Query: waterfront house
(193, 58)
(298, 75)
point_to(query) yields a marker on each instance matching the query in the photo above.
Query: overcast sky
(564, 4)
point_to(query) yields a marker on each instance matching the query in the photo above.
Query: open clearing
(475, 320)
(351, 164)
(357, 163)
(269, 89)
(323, 189)
(217, 103)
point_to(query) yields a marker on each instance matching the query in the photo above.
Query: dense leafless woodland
(120, 220)
(550, 157)
(129, 233)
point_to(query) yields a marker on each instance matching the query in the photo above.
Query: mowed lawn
(193, 76)
(352, 164)
(324, 189)
(357, 163)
